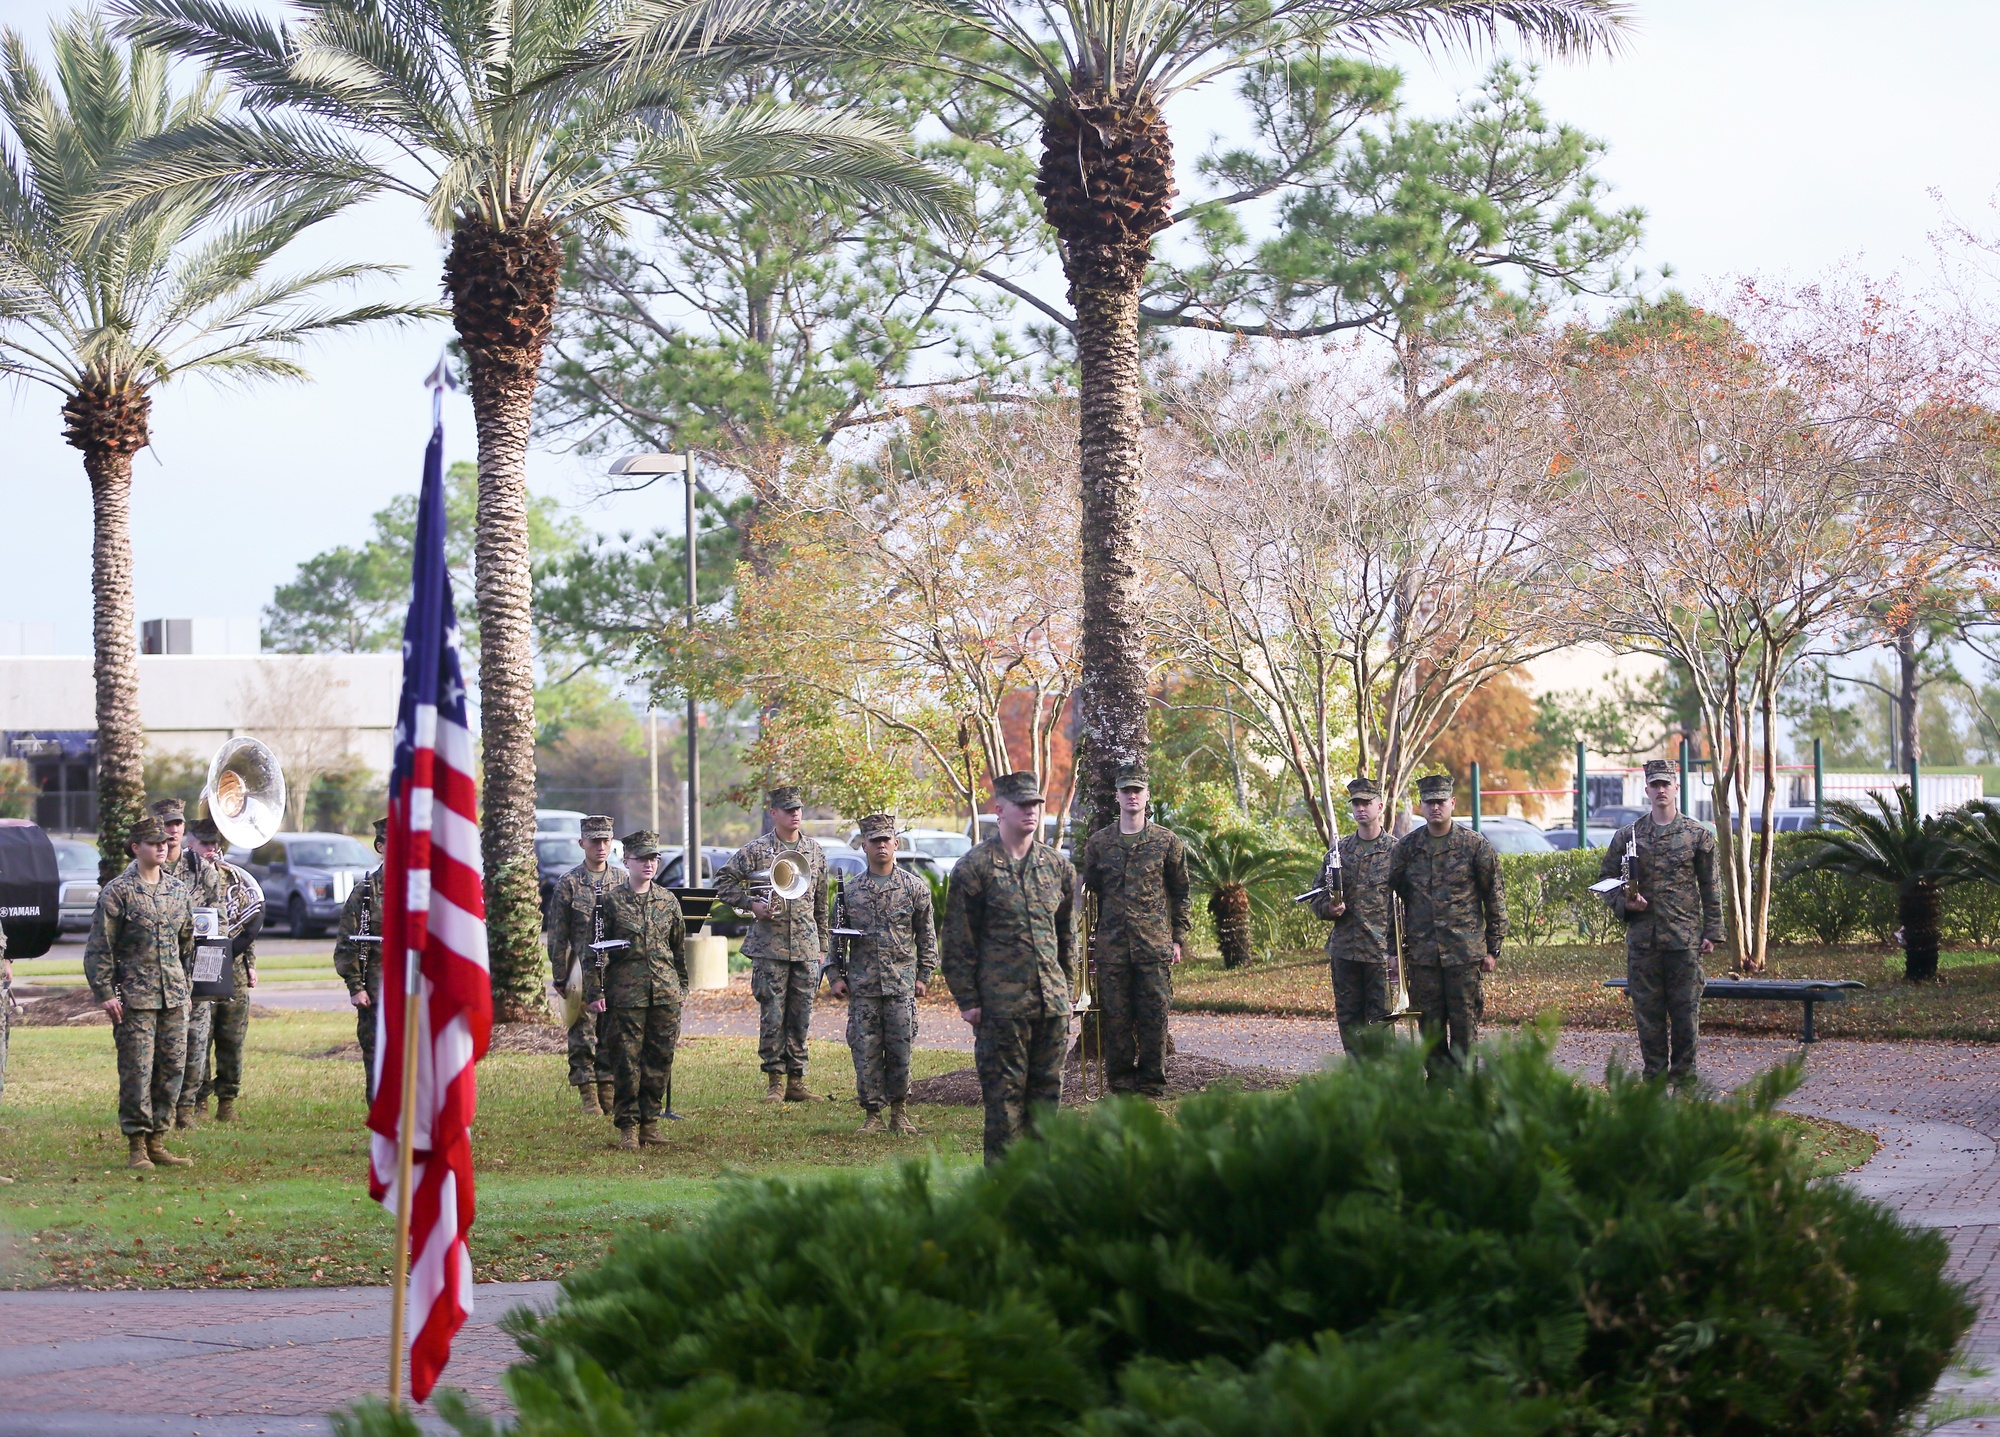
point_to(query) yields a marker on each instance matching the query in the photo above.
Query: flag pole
(405, 1156)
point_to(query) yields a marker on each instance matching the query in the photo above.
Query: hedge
(1508, 1252)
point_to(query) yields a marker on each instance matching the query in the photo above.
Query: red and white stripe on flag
(434, 909)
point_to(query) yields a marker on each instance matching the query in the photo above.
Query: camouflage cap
(598, 825)
(1436, 785)
(203, 830)
(1659, 768)
(1131, 775)
(874, 825)
(381, 830)
(147, 830)
(642, 843)
(168, 810)
(1363, 788)
(784, 796)
(1022, 787)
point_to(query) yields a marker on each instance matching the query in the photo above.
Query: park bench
(1806, 991)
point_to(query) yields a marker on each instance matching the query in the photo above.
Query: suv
(940, 845)
(307, 876)
(76, 875)
(560, 820)
(852, 865)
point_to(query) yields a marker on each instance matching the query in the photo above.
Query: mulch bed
(74, 1007)
(1185, 1074)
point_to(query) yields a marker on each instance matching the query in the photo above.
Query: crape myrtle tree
(477, 110)
(106, 320)
(1097, 75)
(1745, 485)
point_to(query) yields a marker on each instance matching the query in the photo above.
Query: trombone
(1090, 1030)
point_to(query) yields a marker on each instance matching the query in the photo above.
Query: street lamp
(682, 464)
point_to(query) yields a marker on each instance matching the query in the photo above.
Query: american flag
(433, 916)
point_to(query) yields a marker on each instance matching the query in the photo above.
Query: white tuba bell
(785, 880)
(245, 792)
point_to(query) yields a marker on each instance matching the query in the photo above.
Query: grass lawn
(279, 1199)
(1965, 1006)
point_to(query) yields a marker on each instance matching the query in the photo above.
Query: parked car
(557, 853)
(559, 820)
(712, 859)
(851, 865)
(1509, 835)
(941, 846)
(1614, 817)
(1783, 820)
(1565, 838)
(307, 876)
(76, 875)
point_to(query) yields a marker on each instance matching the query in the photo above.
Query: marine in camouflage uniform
(785, 950)
(140, 950)
(1678, 919)
(359, 964)
(882, 973)
(1454, 921)
(220, 1023)
(6, 1008)
(1008, 953)
(640, 986)
(1357, 947)
(572, 929)
(1140, 880)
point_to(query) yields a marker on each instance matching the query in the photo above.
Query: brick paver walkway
(230, 1364)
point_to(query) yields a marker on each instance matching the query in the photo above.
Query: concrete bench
(1805, 991)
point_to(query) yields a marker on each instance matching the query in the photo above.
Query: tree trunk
(109, 426)
(1229, 906)
(1918, 910)
(1107, 187)
(503, 288)
(1908, 693)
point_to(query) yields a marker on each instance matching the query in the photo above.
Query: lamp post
(682, 464)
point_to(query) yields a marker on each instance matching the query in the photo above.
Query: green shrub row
(1548, 901)
(1510, 1252)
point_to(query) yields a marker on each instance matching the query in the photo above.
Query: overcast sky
(1762, 136)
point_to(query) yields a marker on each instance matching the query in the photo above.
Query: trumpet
(786, 880)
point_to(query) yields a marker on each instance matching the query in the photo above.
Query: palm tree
(1238, 867)
(1099, 75)
(1978, 835)
(1895, 844)
(105, 322)
(478, 110)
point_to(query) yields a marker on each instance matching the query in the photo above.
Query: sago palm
(1891, 842)
(477, 110)
(106, 321)
(1241, 871)
(1099, 75)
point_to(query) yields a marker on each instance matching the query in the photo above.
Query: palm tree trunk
(1229, 906)
(1107, 187)
(109, 425)
(1918, 909)
(503, 288)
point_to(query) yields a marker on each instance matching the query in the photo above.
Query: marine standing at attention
(882, 973)
(1454, 920)
(572, 929)
(357, 957)
(787, 942)
(1354, 897)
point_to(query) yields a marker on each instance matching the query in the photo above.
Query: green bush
(1369, 1253)
(1821, 907)
(1549, 898)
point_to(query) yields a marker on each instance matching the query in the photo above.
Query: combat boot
(796, 1090)
(649, 1136)
(899, 1120)
(157, 1151)
(184, 1116)
(607, 1099)
(201, 1107)
(628, 1140)
(225, 1110)
(135, 1155)
(774, 1088)
(872, 1123)
(587, 1093)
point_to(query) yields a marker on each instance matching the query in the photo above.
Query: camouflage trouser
(642, 1043)
(1451, 1001)
(228, 1033)
(6, 1022)
(590, 1050)
(1135, 999)
(364, 1033)
(152, 1053)
(194, 1073)
(1360, 998)
(1664, 985)
(880, 1033)
(1019, 1058)
(784, 993)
